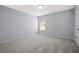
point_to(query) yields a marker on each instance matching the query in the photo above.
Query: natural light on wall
(42, 24)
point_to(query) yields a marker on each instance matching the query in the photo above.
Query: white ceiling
(47, 9)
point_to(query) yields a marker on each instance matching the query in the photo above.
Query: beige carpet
(39, 44)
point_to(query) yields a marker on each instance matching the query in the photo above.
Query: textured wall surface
(59, 24)
(14, 24)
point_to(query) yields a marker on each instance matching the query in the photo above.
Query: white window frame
(42, 25)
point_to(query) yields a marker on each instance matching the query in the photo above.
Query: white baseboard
(4, 41)
(19, 37)
(63, 37)
(15, 38)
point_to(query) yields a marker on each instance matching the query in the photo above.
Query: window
(42, 24)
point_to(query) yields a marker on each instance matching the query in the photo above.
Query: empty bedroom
(39, 29)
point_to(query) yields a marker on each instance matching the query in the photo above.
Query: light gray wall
(59, 24)
(15, 23)
(76, 25)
